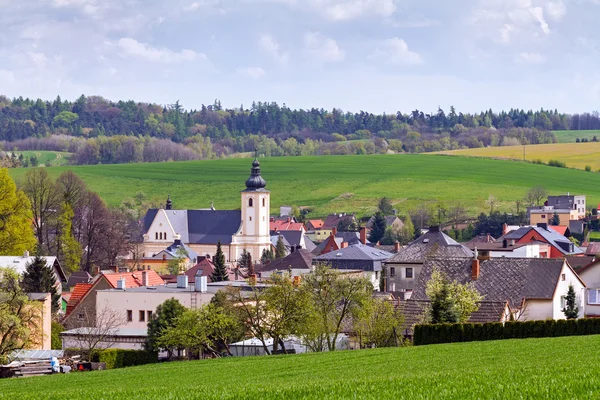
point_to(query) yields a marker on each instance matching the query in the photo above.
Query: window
(392, 272)
(142, 316)
(543, 216)
(593, 296)
(250, 218)
(129, 315)
(165, 235)
(250, 202)
(408, 273)
(148, 315)
(392, 287)
(155, 235)
(563, 301)
(264, 202)
(563, 277)
(80, 316)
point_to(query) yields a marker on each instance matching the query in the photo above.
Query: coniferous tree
(267, 255)
(246, 262)
(39, 277)
(555, 220)
(571, 310)
(220, 272)
(378, 228)
(280, 248)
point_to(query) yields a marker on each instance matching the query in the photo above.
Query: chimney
(475, 267)
(177, 239)
(504, 229)
(182, 281)
(344, 245)
(396, 247)
(26, 254)
(488, 238)
(505, 243)
(121, 283)
(144, 278)
(434, 228)
(200, 284)
(542, 225)
(334, 231)
(363, 235)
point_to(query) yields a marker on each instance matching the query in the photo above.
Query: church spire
(169, 204)
(255, 181)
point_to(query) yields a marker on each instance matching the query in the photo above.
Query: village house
(532, 249)
(401, 271)
(201, 230)
(297, 263)
(391, 221)
(570, 209)
(319, 231)
(338, 240)
(159, 262)
(41, 325)
(590, 275)
(559, 245)
(535, 288)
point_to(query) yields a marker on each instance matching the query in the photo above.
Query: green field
(557, 368)
(48, 158)
(571, 136)
(336, 183)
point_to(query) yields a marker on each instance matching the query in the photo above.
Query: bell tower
(256, 205)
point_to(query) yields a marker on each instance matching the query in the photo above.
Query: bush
(557, 163)
(55, 340)
(588, 168)
(120, 358)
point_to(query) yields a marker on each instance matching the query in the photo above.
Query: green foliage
(450, 301)
(557, 163)
(39, 277)
(378, 228)
(246, 262)
(280, 248)
(378, 324)
(385, 206)
(121, 358)
(571, 310)
(65, 119)
(220, 272)
(555, 220)
(179, 264)
(16, 231)
(70, 249)
(56, 341)
(165, 316)
(267, 255)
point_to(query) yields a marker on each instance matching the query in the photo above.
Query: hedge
(468, 332)
(119, 358)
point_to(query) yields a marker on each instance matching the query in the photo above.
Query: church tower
(256, 205)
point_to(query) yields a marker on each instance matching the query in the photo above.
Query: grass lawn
(335, 183)
(575, 155)
(571, 136)
(48, 158)
(557, 368)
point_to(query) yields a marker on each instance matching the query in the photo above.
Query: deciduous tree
(45, 201)
(378, 324)
(16, 231)
(165, 317)
(450, 301)
(536, 195)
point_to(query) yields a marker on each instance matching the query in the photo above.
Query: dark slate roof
(414, 312)
(309, 244)
(580, 262)
(349, 237)
(433, 244)
(356, 252)
(593, 249)
(300, 259)
(78, 277)
(171, 251)
(201, 226)
(293, 237)
(500, 279)
(389, 220)
(550, 235)
(333, 220)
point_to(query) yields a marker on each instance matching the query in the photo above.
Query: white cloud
(395, 51)
(339, 10)
(556, 10)
(251, 72)
(322, 48)
(38, 59)
(538, 14)
(270, 46)
(132, 47)
(530, 58)
(205, 5)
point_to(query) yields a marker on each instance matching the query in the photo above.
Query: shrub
(120, 358)
(588, 168)
(557, 163)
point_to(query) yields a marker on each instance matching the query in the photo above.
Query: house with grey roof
(535, 288)
(356, 257)
(297, 263)
(402, 270)
(560, 246)
(201, 229)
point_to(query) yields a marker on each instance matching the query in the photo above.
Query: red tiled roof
(316, 223)
(134, 279)
(560, 229)
(285, 226)
(79, 291)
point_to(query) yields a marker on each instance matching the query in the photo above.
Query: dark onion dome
(255, 181)
(169, 202)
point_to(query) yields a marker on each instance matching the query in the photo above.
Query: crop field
(575, 155)
(48, 158)
(557, 368)
(571, 136)
(335, 183)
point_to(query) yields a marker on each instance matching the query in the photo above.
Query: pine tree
(39, 277)
(555, 220)
(220, 272)
(571, 310)
(378, 228)
(246, 262)
(280, 248)
(267, 255)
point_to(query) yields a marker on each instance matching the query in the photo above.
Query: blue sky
(373, 55)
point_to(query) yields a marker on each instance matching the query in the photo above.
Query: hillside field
(571, 136)
(575, 155)
(48, 158)
(336, 183)
(557, 368)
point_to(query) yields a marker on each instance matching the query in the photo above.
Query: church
(201, 229)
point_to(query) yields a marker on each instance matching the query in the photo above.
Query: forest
(97, 130)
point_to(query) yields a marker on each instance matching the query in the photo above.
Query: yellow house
(545, 215)
(41, 324)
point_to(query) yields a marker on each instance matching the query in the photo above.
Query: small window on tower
(264, 202)
(250, 218)
(155, 235)
(250, 202)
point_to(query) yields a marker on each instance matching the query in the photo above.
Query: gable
(161, 224)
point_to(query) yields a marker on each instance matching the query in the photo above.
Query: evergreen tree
(378, 228)
(39, 277)
(267, 255)
(246, 262)
(443, 308)
(385, 206)
(220, 272)
(571, 310)
(280, 248)
(555, 220)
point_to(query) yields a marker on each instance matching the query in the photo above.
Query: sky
(371, 55)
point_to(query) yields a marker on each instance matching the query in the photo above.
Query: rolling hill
(336, 183)
(508, 369)
(571, 136)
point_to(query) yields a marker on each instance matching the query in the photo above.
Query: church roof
(255, 183)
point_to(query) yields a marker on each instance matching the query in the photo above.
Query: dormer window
(250, 202)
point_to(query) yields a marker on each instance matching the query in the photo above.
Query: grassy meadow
(571, 136)
(575, 155)
(335, 183)
(557, 368)
(48, 158)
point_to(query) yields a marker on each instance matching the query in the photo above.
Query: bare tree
(97, 328)
(536, 195)
(457, 214)
(94, 215)
(492, 202)
(114, 238)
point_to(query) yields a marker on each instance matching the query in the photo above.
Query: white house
(590, 274)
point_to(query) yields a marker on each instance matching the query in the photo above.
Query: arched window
(264, 202)
(250, 218)
(165, 236)
(250, 202)
(155, 235)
